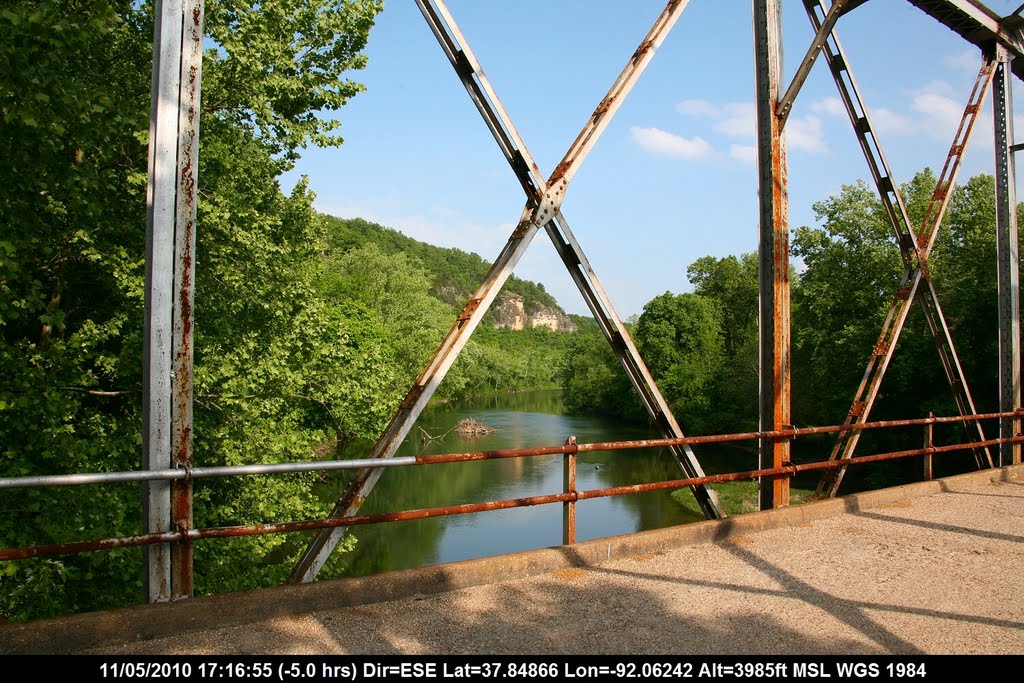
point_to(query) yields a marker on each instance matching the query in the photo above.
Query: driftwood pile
(468, 428)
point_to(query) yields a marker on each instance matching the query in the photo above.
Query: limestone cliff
(510, 312)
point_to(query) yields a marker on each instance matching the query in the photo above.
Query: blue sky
(673, 177)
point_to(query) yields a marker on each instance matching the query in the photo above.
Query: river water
(526, 419)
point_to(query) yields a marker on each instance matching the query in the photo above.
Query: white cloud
(969, 60)
(746, 154)
(663, 143)
(735, 119)
(701, 108)
(941, 114)
(832, 106)
(938, 87)
(888, 121)
(806, 133)
(738, 119)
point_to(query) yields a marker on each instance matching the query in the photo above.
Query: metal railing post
(569, 486)
(928, 443)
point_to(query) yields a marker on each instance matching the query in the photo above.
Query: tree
(731, 283)
(277, 370)
(852, 270)
(680, 338)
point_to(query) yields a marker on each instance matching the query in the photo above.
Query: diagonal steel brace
(542, 209)
(914, 250)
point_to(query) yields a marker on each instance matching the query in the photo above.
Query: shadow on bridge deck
(933, 567)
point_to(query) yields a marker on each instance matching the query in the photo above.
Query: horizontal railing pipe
(317, 524)
(42, 481)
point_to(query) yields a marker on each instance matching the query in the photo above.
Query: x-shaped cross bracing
(914, 246)
(542, 210)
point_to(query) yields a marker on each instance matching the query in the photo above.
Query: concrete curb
(144, 622)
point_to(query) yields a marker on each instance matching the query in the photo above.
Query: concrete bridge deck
(935, 567)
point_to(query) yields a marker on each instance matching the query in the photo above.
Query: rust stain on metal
(412, 396)
(469, 309)
(520, 230)
(643, 49)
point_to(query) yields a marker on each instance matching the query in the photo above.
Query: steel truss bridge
(168, 468)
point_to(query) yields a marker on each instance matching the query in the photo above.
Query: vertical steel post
(929, 441)
(171, 198)
(1007, 259)
(184, 290)
(569, 486)
(773, 250)
(160, 216)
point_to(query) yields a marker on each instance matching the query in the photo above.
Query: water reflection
(526, 419)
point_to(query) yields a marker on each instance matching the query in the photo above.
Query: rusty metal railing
(568, 497)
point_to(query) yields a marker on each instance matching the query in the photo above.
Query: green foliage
(278, 65)
(680, 338)
(736, 497)
(732, 284)
(593, 381)
(278, 370)
(852, 269)
(455, 274)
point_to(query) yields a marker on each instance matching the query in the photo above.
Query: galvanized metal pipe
(196, 473)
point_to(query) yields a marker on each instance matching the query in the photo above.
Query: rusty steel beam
(773, 251)
(914, 250)
(184, 289)
(788, 470)
(1008, 263)
(542, 209)
(171, 196)
(604, 112)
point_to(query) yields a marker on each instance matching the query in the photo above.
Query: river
(526, 419)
